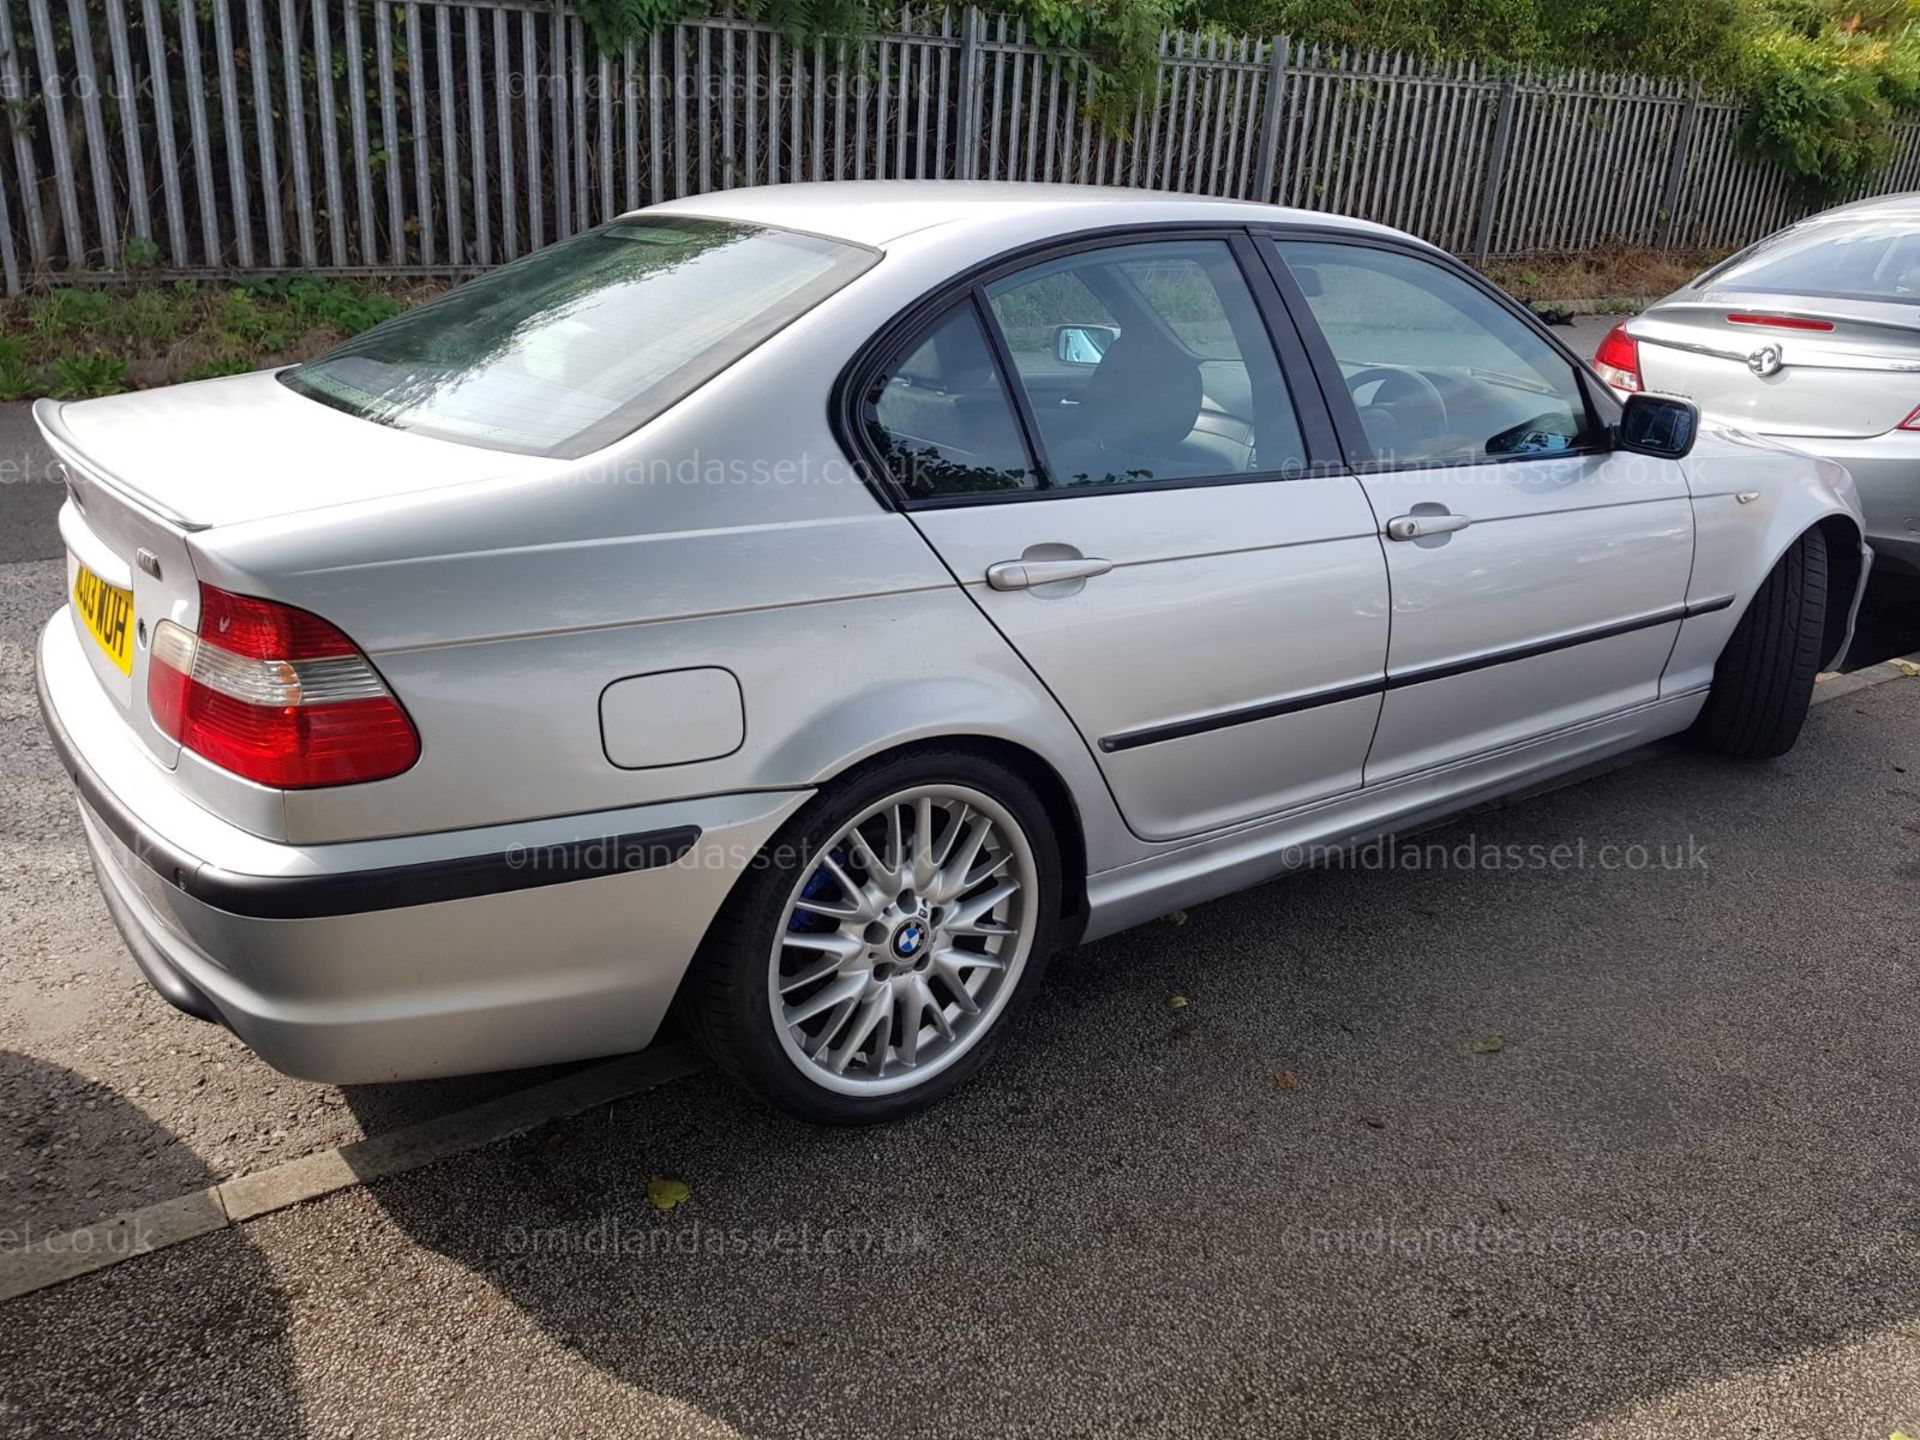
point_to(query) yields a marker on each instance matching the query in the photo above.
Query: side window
(1147, 362)
(1438, 369)
(943, 418)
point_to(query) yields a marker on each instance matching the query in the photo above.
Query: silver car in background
(1812, 336)
(810, 607)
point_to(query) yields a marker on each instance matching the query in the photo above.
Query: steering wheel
(1397, 383)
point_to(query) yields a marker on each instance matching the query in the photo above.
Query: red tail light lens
(1912, 422)
(276, 695)
(1618, 359)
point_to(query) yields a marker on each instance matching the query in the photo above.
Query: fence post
(1496, 171)
(1270, 118)
(1676, 169)
(971, 75)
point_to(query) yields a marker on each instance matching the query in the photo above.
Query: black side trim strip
(1447, 669)
(394, 887)
(1200, 725)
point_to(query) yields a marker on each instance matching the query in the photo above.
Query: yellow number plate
(108, 613)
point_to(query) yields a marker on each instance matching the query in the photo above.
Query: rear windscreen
(1865, 260)
(583, 342)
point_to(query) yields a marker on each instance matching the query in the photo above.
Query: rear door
(1158, 539)
(1538, 577)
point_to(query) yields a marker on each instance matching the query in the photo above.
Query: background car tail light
(1618, 359)
(276, 695)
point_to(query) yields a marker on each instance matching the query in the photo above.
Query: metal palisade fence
(195, 137)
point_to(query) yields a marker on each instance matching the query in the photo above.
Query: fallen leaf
(1492, 1045)
(1176, 1002)
(1286, 1080)
(1908, 669)
(665, 1194)
(1175, 918)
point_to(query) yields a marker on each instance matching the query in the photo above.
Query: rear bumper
(402, 958)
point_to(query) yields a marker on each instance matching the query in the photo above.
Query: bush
(1821, 106)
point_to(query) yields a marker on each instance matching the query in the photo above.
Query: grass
(76, 343)
(1621, 274)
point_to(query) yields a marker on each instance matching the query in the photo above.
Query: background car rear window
(574, 346)
(943, 418)
(1864, 260)
(1438, 370)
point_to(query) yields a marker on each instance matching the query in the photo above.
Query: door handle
(1025, 574)
(1416, 527)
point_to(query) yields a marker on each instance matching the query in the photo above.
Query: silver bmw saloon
(806, 609)
(1812, 336)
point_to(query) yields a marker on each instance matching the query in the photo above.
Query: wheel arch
(1845, 564)
(1055, 794)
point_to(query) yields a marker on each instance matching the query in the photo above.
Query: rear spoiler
(53, 428)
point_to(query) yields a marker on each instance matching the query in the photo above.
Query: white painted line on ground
(246, 1197)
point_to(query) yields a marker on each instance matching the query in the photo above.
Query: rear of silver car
(381, 916)
(1811, 337)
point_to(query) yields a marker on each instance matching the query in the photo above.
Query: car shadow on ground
(150, 1351)
(1454, 1148)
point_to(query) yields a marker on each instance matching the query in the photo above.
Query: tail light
(1912, 422)
(276, 695)
(1618, 360)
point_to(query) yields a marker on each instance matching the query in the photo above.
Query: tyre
(883, 940)
(1763, 682)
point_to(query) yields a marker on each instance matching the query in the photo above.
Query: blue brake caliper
(819, 884)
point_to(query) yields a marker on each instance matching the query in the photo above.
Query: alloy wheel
(903, 940)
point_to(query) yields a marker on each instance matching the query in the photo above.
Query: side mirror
(1082, 344)
(1659, 426)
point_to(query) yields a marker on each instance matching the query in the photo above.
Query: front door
(1105, 447)
(1539, 577)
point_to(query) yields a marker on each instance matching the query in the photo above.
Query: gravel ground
(1679, 1199)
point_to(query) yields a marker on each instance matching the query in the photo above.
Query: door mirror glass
(1082, 344)
(1656, 425)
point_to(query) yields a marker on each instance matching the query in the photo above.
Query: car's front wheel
(883, 941)
(1763, 682)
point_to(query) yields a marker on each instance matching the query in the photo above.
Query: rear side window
(943, 417)
(1865, 260)
(1147, 362)
(571, 348)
